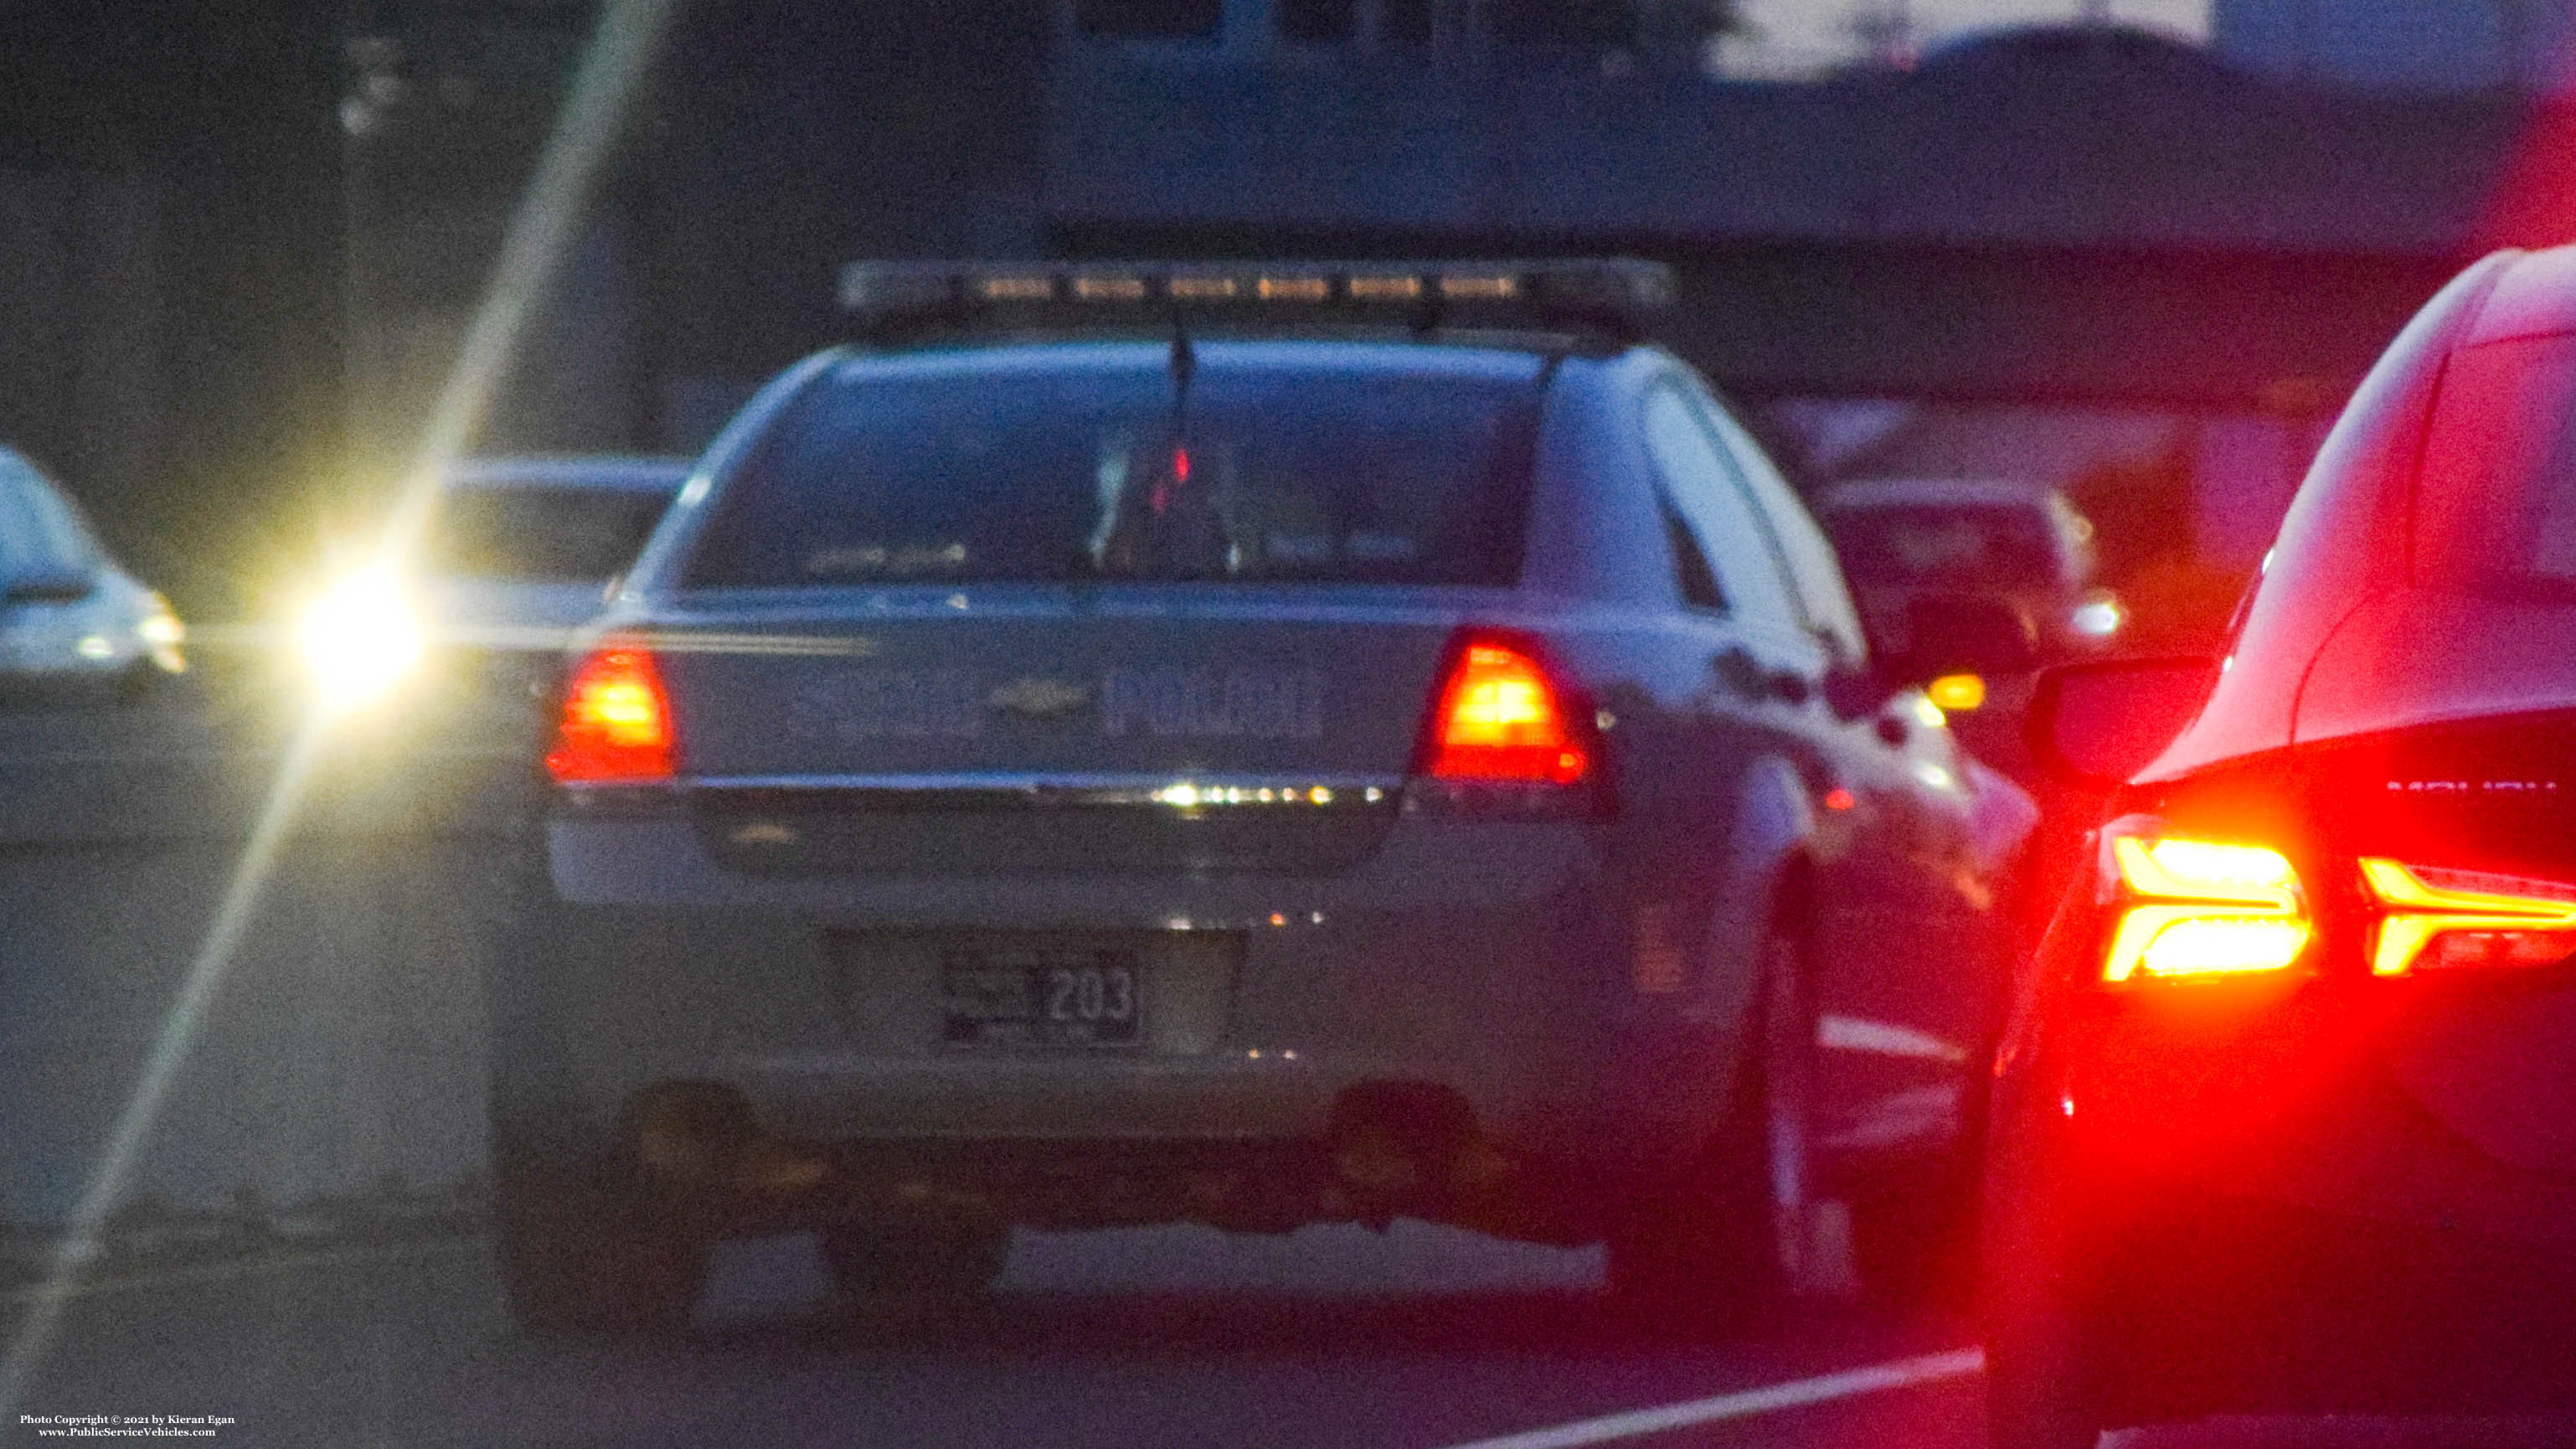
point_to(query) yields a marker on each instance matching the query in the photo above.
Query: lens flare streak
(541, 232)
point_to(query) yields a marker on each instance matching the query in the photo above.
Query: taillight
(1501, 718)
(2438, 919)
(2198, 908)
(616, 726)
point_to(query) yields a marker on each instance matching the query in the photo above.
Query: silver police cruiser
(1255, 745)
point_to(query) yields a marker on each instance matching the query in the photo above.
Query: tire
(2044, 1295)
(1917, 1232)
(2036, 1389)
(592, 1253)
(1734, 1240)
(945, 1259)
(1915, 1238)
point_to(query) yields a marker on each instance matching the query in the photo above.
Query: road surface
(1173, 1338)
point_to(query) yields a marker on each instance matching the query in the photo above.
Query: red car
(2285, 1113)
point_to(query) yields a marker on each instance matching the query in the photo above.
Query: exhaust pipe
(702, 1137)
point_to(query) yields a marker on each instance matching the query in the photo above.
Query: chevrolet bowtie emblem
(1035, 698)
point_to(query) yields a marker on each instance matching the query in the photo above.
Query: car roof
(622, 472)
(1934, 492)
(2337, 639)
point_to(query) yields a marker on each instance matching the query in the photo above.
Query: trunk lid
(2489, 1051)
(1049, 729)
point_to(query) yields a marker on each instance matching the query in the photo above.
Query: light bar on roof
(1108, 287)
(1383, 286)
(1010, 287)
(1293, 289)
(1202, 287)
(1480, 286)
(1604, 288)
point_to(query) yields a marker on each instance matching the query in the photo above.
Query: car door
(1909, 925)
(1761, 665)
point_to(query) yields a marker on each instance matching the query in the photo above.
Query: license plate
(1041, 998)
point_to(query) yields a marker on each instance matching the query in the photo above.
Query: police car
(1251, 745)
(2286, 1120)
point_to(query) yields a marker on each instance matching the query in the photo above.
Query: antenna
(1185, 358)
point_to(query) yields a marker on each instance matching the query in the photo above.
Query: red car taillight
(2198, 908)
(2436, 919)
(616, 726)
(1500, 718)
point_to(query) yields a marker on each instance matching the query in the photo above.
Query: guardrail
(334, 1086)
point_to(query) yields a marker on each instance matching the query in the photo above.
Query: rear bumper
(2228, 1303)
(1471, 964)
(2239, 1208)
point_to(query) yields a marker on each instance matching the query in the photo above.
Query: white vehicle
(1294, 769)
(70, 617)
(1906, 540)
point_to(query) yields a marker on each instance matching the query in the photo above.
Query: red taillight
(616, 724)
(1501, 718)
(2198, 908)
(2455, 918)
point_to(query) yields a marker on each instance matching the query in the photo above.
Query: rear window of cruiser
(1121, 461)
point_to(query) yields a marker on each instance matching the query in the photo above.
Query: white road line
(1744, 1404)
(250, 1268)
(1884, 1038)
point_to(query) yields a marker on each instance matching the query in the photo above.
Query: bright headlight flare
(2441, 919)
(161, 628)
(2203, 908)
(162, 636)
(360, 637)
(1957, 693)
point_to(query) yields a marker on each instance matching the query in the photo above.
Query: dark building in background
(791, 136)
(240, 240)
(776, 140)
(171, 317)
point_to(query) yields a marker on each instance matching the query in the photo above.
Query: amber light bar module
(1600, 291)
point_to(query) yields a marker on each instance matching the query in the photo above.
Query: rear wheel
(2043, 1287)
(2036, 1387)
(1736, 1236)
(1916, 1230)
(592, 1252)
(1915, 1234)
(949, 1259)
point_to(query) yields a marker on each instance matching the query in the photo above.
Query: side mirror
(48, 586)
(1965, 634)
(2098, 724)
